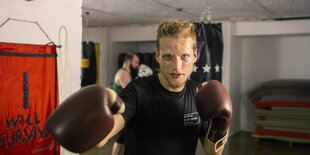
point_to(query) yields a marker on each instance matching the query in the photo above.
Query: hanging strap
(34, 22)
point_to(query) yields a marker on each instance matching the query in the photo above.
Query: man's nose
(177, 63)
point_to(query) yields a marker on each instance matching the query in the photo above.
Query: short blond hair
(175, 29)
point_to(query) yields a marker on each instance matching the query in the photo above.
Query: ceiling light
(179, 9)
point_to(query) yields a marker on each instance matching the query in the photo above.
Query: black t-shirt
(160, 122)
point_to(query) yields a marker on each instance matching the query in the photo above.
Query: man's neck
(126, 67)
(165, 84)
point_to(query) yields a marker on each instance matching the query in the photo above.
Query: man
(161, 116)
(124, 75)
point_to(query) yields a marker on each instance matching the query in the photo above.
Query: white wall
(268, 55)
(263, 28)
(134, 33)
(51, 15)
(231, 72)
(100, 35)
(258, 59)
(294, 57)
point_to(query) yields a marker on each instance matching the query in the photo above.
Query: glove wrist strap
(218, 145)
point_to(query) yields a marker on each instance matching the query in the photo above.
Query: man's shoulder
(122, 72)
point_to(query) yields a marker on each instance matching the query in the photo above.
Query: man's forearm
(119, 124)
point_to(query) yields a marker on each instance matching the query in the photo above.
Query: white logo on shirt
(191, 119)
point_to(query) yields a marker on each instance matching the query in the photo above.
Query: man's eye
(184, 56)
(167, 57)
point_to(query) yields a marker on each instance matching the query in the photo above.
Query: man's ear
(195, 54)
(157, 54)
(128, 62)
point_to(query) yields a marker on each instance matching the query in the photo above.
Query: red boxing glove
(84, 118)
(214, 105)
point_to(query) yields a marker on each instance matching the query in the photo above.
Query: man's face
(134, 63)
(175, 58)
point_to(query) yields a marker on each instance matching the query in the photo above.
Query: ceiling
(120, 12)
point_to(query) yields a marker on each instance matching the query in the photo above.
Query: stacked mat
(283, 110)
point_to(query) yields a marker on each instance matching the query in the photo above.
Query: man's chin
(176, 84)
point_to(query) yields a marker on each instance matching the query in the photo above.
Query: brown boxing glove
(214, 105)
(84, 118)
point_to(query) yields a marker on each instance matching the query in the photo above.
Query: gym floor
(241, 143)
(244, 144)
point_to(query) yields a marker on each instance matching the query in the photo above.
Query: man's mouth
(176, 75)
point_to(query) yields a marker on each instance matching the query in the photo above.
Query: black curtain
(146, 59)
(210, 53)
(89, 67)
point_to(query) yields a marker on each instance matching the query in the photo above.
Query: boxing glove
(85, 118)
(213, 104)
